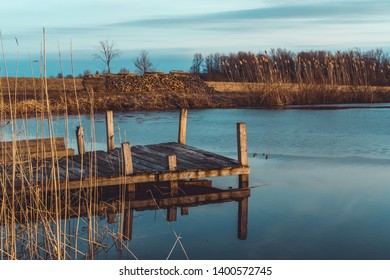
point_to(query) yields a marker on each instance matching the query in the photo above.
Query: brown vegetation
(353, 68)
(68, 95)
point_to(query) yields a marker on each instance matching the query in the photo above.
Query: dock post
(242, 149)
(128, 222)
(80, 140)
(183, 126)
(174, 186)
(127, 164)
(243, 219)
(110, 130)
(184, 210)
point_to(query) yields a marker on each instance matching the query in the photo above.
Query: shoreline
(67, 96)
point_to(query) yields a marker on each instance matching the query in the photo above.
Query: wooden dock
(47, 165)
(126, 165)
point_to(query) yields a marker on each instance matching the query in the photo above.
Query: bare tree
(143, 63)
(106, 52)
(197, 62)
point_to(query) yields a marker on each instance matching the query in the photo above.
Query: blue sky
(172, 31)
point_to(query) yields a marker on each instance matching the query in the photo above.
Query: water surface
(323, 192)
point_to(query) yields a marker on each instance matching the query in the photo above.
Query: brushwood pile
(156, 82)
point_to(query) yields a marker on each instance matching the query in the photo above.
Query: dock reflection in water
(98, 224)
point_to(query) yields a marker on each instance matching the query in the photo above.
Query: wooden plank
(32, 142)
(159, 155)
(159, 177)
(183, 127)
(203, 158)
(186, 161)
(110, 130)
(207, 154)
(138, 164)
(154, 162)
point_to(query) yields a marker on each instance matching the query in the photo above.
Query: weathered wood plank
(206, 159)
(159, 155)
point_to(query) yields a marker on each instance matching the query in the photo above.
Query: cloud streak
(339, 11)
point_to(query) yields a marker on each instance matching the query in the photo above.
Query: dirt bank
(68, 95)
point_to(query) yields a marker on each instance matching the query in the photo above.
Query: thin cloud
(340, 11)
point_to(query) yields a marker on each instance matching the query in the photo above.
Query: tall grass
(44, 219)
(352, 68)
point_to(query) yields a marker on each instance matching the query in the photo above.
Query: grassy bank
(68, 95)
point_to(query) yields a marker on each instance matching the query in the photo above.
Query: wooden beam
(128, 223)
(172, 214)
(128, 166)
(183, 126)
(152, 177)
(172, 166)
(110, 130)
(243, 219)
(184, 211)
(80, 140)
(243, 181)
(127, 159)
(242, 144)
(174, 186)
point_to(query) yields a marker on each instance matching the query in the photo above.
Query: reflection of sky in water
(322, 194)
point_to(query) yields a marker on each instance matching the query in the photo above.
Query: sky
(173, 31)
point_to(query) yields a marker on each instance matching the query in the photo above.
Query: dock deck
(125, 165)
(150, 165)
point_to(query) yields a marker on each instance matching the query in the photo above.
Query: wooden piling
(242, 144)
(127, 159)
(172, 214)
(242, 149)
(243, 219)
(128, 223)
(184, 211)
(174, 186)
(80, 140)
(183, 126)
(172, 166)
(127, 164)
(110, 130)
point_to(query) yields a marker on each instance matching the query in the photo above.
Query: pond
(319, 183)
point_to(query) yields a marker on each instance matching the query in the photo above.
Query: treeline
(353, 67)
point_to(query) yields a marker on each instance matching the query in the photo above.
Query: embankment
(70, 96)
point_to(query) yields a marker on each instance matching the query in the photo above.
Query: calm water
(323, 192)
